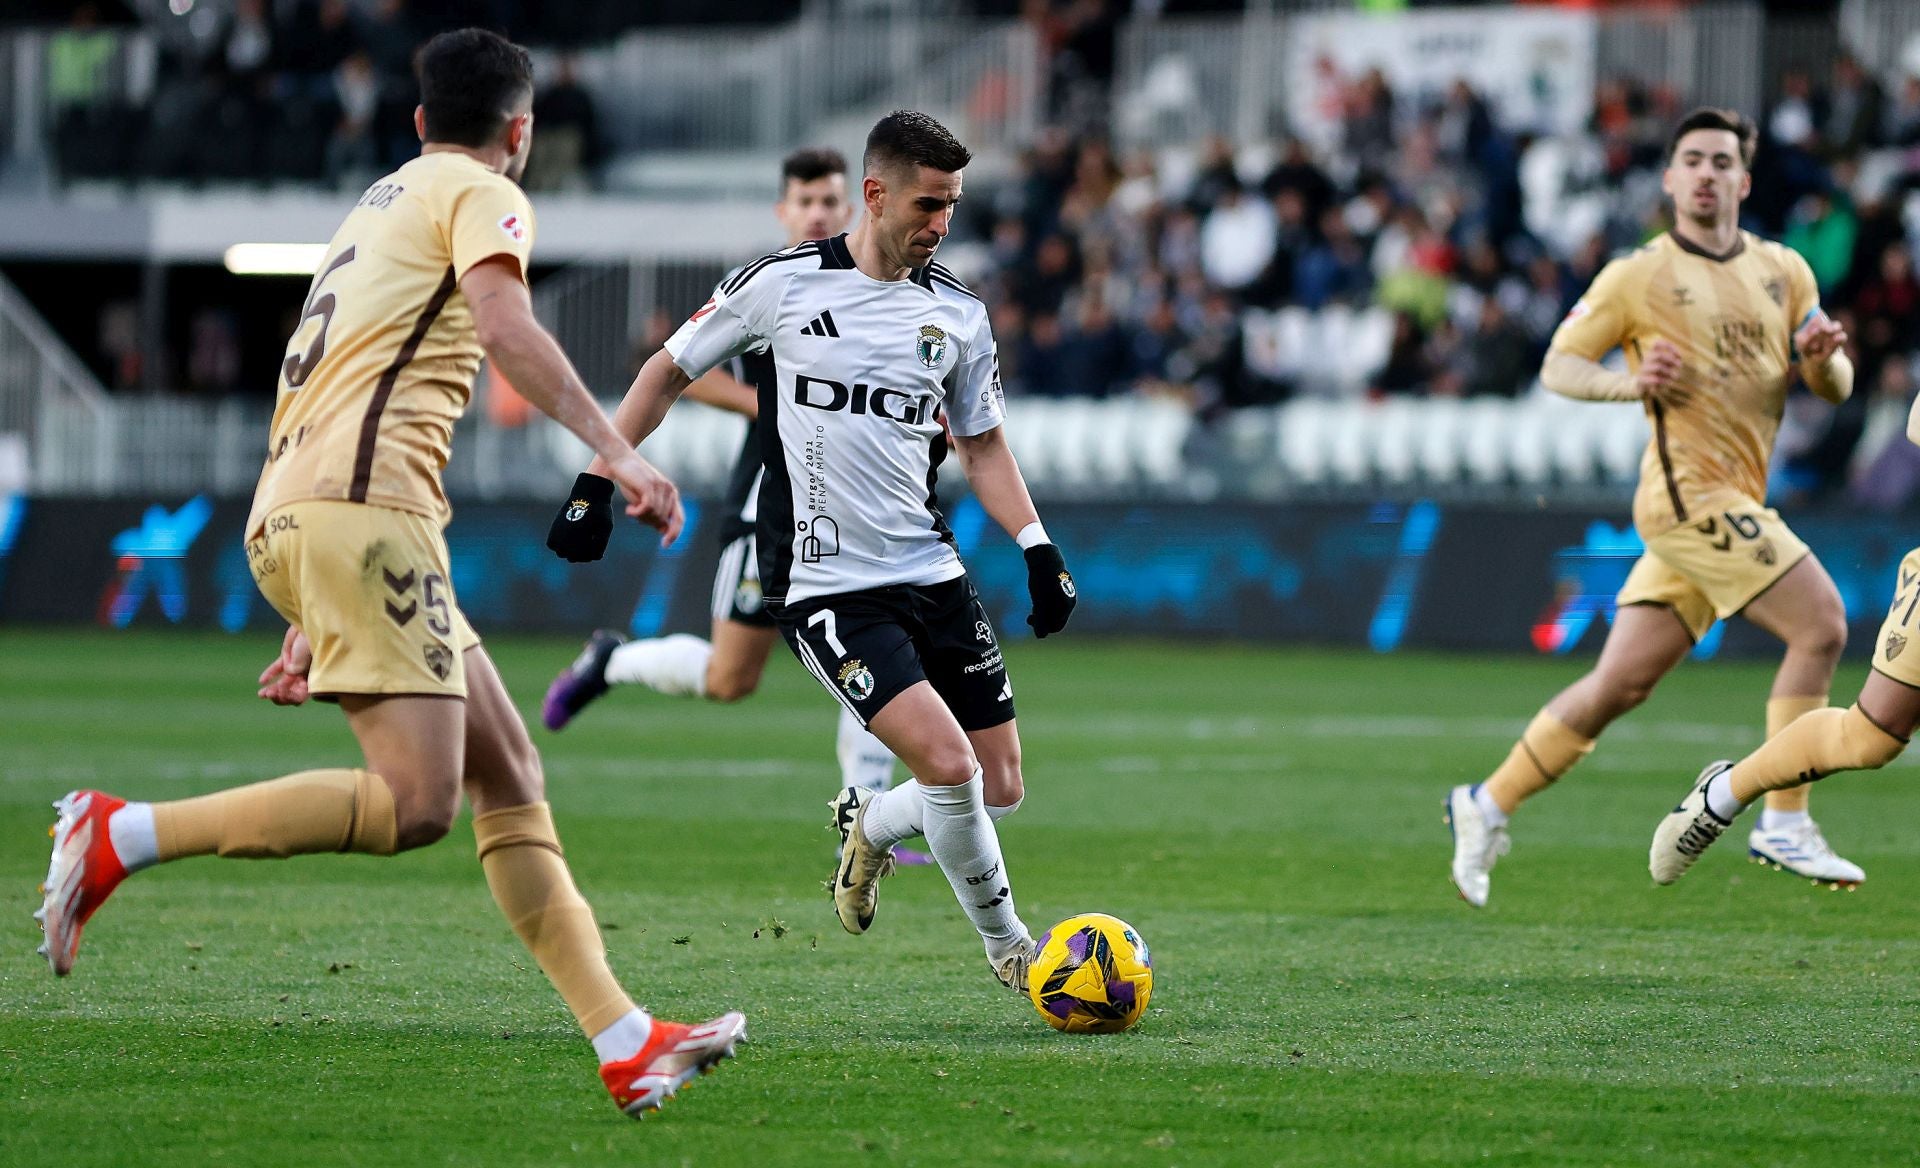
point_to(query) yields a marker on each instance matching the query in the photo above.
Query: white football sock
(131, 831)
(625, 1038)
(897, 813)
(670, 665)
(964, 844)
(1720, 798)
(1489, 810)
(1771, 820)
(865, 761)
(999, 813)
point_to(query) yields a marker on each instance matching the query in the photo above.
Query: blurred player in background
(345, 540)
(1712, 320)
(870, 340)
(1865, 736)
(728, 665)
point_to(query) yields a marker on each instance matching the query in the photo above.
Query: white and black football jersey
(849, 414)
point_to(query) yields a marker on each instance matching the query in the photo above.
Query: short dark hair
(1712, 118)
(470, 80)
(909, 137)
(810, 162)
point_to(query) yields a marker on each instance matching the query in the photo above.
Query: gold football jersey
(1733, 318)
(383, 360)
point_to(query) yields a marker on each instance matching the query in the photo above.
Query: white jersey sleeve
(738, 318)
(975, 401)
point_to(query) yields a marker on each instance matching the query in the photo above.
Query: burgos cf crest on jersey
(932, 346)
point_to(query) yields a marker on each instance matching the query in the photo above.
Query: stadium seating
(1330, 352)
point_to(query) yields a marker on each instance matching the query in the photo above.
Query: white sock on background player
(961, 836)
(1771, 820)
(865, 761)
(674, 665)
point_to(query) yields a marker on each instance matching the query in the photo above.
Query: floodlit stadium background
(1270, 283)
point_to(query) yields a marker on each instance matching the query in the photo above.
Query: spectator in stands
(1901, 122)
(1853, 114)
(77, 59)
(1332, 268)
(1884, 472)
(1238, 237)
(1366, 132)
(353, 153)
(1887, 307)
(569, 133)
(1822, 229)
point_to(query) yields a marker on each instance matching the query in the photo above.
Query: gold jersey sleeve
(1733, 318)
(382, 362)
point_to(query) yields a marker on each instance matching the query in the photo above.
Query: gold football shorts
(1894, 651)
(1710, 568)
(369, 587)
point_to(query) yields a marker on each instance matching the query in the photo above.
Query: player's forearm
(537, 368)
(658, 385)
(996, 480)
(1831, 379)
(716, 389)
(1585, 380)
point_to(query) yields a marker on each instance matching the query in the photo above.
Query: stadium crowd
(1117, 273)
(1140, 274)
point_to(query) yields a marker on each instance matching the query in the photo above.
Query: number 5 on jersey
(299, 366)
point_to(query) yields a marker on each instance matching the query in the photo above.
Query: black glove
(1051, 586)
(580, 532)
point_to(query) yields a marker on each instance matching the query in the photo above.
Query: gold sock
(1811, 747)
(1547, 750)
(520, 854)
(1781, 713)
(313, 811)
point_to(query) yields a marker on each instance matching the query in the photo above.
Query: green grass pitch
(1269, 819)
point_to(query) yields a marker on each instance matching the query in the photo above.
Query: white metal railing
(51, 402)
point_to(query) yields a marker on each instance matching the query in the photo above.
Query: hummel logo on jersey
(821, 326)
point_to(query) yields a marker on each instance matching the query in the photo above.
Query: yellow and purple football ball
(1092, 975)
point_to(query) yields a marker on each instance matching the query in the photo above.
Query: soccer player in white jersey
(727, 665)
(857, 564)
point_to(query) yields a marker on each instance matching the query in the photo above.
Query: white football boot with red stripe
(674, 1054)
(84, 871)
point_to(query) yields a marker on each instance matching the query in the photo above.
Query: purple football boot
(581, 682)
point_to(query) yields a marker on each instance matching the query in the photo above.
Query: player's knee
(948, 767)
(1625, 691)
(424, 817)
(1866, 746)
(1001, 782)
(1003, 790)
(1825, 635)
(731, 685)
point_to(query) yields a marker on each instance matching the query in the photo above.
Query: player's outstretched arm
(580, 530)
(1002, 490)
(1661, 376)
(533, 362)
(654, 390)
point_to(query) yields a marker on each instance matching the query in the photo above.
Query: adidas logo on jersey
(821, 326)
